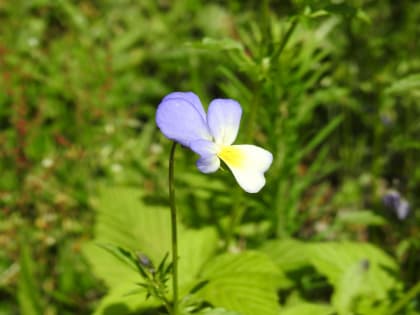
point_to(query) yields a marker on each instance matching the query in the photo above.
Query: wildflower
(394, 201)
(144, 261)
(391, 199)
(181, 117)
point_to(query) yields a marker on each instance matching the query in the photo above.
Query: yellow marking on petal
(231, 156)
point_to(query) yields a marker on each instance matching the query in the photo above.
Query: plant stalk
(174, 230)
(411, 294)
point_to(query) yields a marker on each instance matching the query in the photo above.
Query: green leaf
(308, 309)
(339, 262)
(288, 254)
(222, 44)
(123, 255)
(217, 311)
(124, 219)
(349, 287)
(125, 299)
(28, 294)
(335, 259)
(364, 217)
(321, 135)
(403, 85)
(242, 282)
(195, 248)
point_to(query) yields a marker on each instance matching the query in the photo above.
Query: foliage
(330, 87)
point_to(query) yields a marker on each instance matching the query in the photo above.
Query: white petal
(223, 119)
(248, 164)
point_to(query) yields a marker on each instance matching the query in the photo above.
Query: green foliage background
(330, 87)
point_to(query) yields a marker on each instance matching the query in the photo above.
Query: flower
(394, 201)
(181, 117)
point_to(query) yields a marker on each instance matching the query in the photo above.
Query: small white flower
(47, 162)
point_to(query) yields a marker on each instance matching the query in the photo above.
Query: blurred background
(332, 88)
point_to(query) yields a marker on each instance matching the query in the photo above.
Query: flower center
(231, 156)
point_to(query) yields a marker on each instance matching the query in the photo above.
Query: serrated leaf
(308, 309)
(288, 254)
(349, 287)
(243, 282)
(195, 248)
(123, 218)
(334, 259)
(217, 311)
(121, 300)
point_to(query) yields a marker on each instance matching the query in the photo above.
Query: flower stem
(285, 39)
(174, 231)
(411, 294)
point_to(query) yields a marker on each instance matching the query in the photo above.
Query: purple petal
(209, 162)
(180, 121)
(392, 199)
(223, 119)
(204, 147)
(189, 97)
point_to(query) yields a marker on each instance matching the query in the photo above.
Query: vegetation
(331, 88)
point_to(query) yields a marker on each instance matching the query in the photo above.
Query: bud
(145, 262)
(395, 202)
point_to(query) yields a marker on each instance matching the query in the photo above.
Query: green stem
(168, 306)
(174, 231)
(253, 112)
(405, 299)
(238, 206)
(285, 39)
(238, 210)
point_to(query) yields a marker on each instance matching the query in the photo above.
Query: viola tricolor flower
(181, 117)
(393, 200)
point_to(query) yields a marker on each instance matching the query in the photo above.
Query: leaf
(217, 311)
(195, 248)
(321, 135)
(125, 299)
(364, 217)
(349, 287)
(124, 219)
(308, 309)
(338, 262)
(28, 294)
(243, 282)
(403, 85)
(121, 254)
(334, 259)
(221, 44)
(288, 254)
